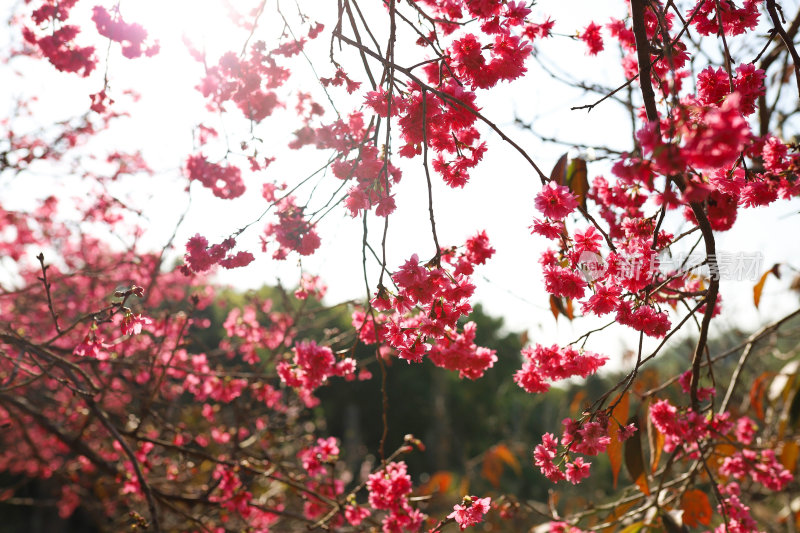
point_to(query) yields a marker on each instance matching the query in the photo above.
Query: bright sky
(499, 197)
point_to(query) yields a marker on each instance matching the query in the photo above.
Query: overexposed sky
(499, 197)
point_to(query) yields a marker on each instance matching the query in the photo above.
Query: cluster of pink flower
(593, 39)
(471, 511)
(57, 42)
(687, 430)
(443, 117)
(250, 334)
(339, 79)
(310, 286)
(201, 382)
(710, 134)
(666, 68)
(291, 231)
(580, 265)
(374, 177)
(448, 127)
(311, 366)
(737, 514)
(200, 257)
(430, 301)
(225, 181)
(542, 365)
(508, 54)
(684, 429)
(587, 438)
(249, 83)
(242, 324)
(233, 496)
(389, 489)
(707, 17)
(315, 458)
(761, 466)
(458, 352)
(371, 169)
(131, 35)
(92, 346)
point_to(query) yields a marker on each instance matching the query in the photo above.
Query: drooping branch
(749, 344)
(450, 99)
(648, 95)
(143, 484)
(46, 284)
(787, 41)
(643, 55)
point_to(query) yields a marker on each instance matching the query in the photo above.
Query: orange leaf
(505, 455)
(696, 508)
(618, 416)
(620, 411)
(616, 513)
(439, 482)
(759, 287)
(576, 401)
(492, 469)
(789, 455)
(493, 461)
(463, 487)
(656, 452)
(757, 393)
(555, 303)
(557, 307)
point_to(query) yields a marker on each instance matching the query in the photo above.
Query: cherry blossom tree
(109, 392)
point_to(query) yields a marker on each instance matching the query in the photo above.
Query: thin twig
(46, 284)
(787, 40)
(451, 100)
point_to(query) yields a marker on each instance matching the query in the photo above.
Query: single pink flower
(555, 201)
(591, 36)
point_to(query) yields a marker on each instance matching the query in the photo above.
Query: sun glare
(208, 25)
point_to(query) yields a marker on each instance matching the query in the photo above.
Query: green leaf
(633, 528)
(577, 180)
